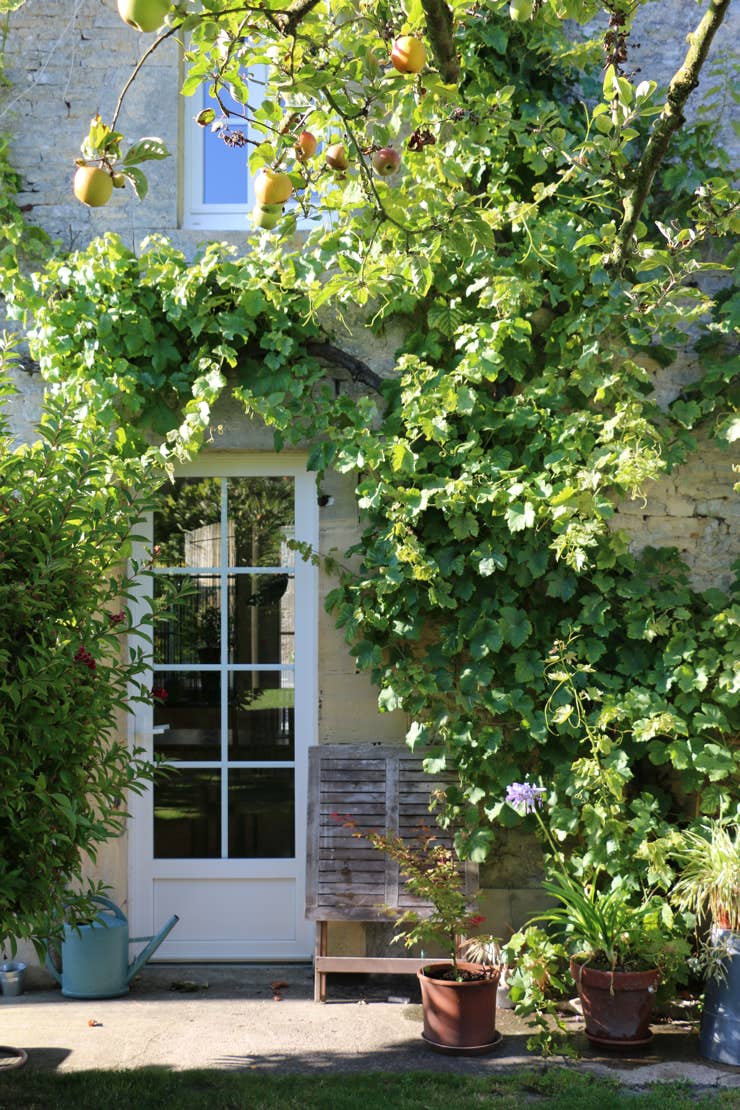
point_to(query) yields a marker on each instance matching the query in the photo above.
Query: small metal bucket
(12, 977)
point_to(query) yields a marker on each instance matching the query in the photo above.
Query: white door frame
(154, 883)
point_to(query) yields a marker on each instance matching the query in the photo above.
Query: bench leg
(319, 978)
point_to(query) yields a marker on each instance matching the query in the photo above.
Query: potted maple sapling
(709, 887)
(619, 941)
(458, 997)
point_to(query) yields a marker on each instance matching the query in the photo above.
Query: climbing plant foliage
(550, 241)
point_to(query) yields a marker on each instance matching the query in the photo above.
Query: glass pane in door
(187, 714)
(187, 815)
(261, 716)
(262, 516)
(189, 630)
(261, 814)
(261, 618)
(234, 653)
(187, 523)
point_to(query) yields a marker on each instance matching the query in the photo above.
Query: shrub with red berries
(82, 655)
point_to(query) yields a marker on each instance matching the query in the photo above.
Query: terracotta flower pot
(617, 1005)
(459, 1017)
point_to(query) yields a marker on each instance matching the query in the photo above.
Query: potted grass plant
(709, 883)
(618, 940)
(709, 887)
(458, 996)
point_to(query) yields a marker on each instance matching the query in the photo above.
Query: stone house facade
(66, 61)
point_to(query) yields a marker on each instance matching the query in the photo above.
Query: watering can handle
(51, 965)
(107, 904)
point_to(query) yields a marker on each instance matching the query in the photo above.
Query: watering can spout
(151, 948)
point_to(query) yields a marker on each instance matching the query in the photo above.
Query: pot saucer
(467, 1050)
(613, 1042)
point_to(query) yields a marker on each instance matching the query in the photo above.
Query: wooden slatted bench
(379, 787)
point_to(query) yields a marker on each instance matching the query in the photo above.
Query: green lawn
(554, 1088)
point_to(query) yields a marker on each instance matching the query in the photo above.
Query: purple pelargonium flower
(523, 795)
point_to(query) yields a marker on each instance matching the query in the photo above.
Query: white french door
(220, 837)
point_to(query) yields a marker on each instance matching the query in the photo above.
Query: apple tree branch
(671, 119)
(439, 30)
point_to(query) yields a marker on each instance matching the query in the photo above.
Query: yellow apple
(92, 186)
(336, 157)
(144, 15)
(408, 54)
(272, 187)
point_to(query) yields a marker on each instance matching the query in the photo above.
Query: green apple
(520, 10)
(144, 15)
(541, 319)
(267, 216)
(92, 186)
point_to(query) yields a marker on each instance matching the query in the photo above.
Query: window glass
(187, 714)
(223, 669)
(261, 716)
(262, 618)
(190, 629)
(225, 170)
(187, 523)
(263, 520)
(216, 179)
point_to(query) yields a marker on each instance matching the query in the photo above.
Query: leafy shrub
(67, 509)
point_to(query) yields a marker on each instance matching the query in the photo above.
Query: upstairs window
(217, 193)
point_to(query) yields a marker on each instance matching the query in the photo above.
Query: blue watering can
(95, 956)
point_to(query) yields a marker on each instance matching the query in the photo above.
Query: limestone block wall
(658, 44)
(24, 406)
(694, 509)
(66, 62)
